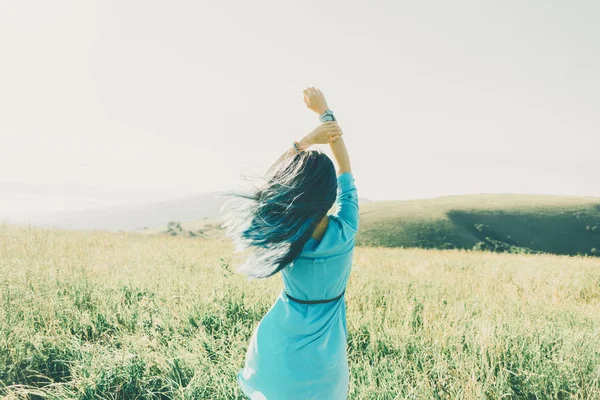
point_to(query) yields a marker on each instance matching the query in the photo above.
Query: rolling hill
(495, 222)
(130, 217)
(511, 223)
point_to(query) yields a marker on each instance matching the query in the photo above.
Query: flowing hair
(277, 218)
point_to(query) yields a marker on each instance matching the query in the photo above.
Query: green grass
(511, 223)
(128, 316)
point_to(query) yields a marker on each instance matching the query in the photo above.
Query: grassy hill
(118, 315)
(496, 222)
(501, 223)
(512, 223)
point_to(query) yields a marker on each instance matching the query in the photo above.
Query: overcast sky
(122, 101)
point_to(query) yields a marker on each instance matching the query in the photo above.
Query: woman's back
(298, 350)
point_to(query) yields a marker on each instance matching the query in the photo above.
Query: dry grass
(122, 316)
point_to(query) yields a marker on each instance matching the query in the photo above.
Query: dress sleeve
(347, 201)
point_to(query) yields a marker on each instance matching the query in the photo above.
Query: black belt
(314, 301)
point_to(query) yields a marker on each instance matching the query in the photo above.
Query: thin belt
(314, 301)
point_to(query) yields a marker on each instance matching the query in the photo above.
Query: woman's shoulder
(336, 240)
(340, 226)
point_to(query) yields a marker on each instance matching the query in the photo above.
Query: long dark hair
(277, 218)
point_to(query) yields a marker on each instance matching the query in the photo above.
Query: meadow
(100, 315)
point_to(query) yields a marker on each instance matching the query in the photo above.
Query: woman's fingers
(327, 132)
(312, 90)
(333, 130)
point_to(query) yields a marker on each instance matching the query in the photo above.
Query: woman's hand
(315, 100)
(327, 132)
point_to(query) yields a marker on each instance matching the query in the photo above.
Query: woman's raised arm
(315, 100)
(347, 195)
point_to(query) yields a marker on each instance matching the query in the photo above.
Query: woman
(298, 350)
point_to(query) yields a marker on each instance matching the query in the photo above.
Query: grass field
(101, 315)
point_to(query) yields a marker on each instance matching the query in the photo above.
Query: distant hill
(132, 217)
(507, 223)
(496, 222)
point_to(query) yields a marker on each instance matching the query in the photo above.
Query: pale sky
(121, 101)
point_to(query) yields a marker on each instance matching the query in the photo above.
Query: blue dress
(298, 351)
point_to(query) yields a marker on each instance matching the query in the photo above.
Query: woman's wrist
(304, 143)
(326, 116)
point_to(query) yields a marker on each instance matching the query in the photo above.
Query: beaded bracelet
(296, 147)
(327, 116)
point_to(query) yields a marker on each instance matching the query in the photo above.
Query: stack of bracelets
(325, 117)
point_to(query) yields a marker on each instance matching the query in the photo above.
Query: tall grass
(96, 315)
